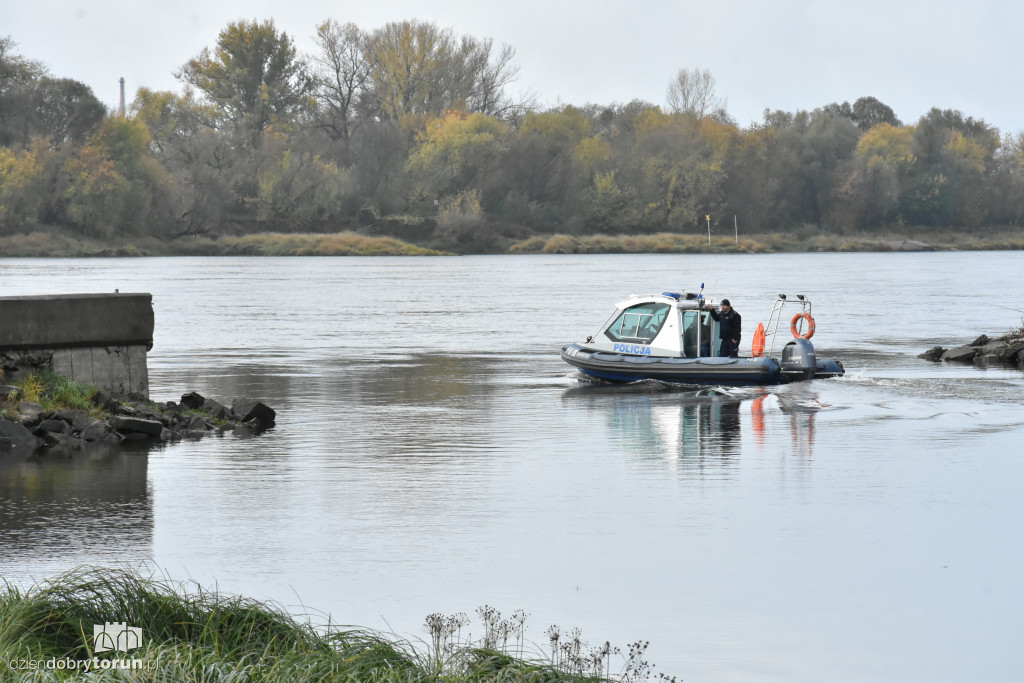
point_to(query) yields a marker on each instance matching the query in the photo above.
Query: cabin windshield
(639, 324)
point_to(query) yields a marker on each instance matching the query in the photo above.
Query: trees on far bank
(415, 121)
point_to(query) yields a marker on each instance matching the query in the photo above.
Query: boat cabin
(670, 324)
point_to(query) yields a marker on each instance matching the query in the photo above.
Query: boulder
(197, 424)
(8, 390)
(53, 426)
(216, 410)
(105, 400)
(980, 341)
(933, 354)
(192, 400)
(17, 436)
(96, 432)
(79, 419)
(250, 409)
(136, 425)
(1012, 352)
(961, 353)
(29, 411)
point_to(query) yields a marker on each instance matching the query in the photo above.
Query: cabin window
(698, 325)
(639, 324)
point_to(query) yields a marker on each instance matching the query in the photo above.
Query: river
(433, 454)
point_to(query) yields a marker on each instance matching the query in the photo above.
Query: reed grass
(194, 634)
(803, 239)
(337, 244)
(54, 243)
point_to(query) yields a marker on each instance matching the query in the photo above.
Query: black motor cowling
(798, 360)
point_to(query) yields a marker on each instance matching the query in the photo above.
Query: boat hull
(624, 367)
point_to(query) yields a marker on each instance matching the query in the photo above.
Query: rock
(105, 400)
(197, 424)
(29, 411)
(17, 436)
(8, 390)
(136, 425)
(980, 341)
(79, 419)
(933, 354)
(248, 409)
(216, 410)
(961, 353)
(54, 427)
(96, 432)
(192, 400)
(1012, 352)
(245, 430)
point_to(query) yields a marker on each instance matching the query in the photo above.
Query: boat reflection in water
(704, 431)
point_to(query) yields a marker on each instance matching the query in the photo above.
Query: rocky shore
(118, 419)
(1007, 350)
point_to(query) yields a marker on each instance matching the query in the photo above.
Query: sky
(788, 54)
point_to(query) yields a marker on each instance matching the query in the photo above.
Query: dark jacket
(729, 324)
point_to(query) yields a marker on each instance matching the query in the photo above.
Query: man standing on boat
(729, 329)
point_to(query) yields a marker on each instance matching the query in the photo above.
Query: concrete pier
(98, 339)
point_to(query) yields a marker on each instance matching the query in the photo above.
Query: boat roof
(681, 299)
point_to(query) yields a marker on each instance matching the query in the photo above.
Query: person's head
(726, 306)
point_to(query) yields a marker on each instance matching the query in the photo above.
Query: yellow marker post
(708, 216)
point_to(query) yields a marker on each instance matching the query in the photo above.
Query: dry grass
(50, 244)
(802, 240)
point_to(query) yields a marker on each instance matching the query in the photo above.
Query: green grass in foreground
(193, 634)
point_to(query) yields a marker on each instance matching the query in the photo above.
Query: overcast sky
(786, 54)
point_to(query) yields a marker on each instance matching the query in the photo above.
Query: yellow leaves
(887, 145)
(605, 187)
(590, 152)
(455, 138)
(718, 136)
(969, 154)
(567, 125)
(653, 120)
(7, 160)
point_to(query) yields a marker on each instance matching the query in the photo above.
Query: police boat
(672, 337)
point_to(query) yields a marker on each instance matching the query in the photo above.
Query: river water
(433, 454)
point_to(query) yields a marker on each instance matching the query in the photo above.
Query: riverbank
(45, 412)
(61, 244)
(121, 625)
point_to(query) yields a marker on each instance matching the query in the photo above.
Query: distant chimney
(120, 109)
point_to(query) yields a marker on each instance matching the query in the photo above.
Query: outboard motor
(799, 361)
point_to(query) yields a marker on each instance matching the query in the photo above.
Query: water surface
(432, 453)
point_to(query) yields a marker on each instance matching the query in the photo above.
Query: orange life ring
(757, 346)
(810, 325)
